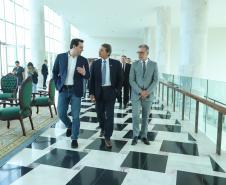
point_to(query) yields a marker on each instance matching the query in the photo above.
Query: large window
(14, 34)
(52, 34)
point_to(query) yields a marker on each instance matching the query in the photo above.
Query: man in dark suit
(105, 84)
(126, 86)
(69, 70)
(45, 72)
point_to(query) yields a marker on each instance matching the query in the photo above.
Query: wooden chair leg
(22, 126)
(50, 110)
(32, 125)
(8, 124)
(37, 110)
(55, 108)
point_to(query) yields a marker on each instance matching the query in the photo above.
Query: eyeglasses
(140, 52)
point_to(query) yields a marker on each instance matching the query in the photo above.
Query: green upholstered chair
(9, 87)
(45, 98)
(20, 110)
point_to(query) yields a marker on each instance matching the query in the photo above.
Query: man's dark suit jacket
(116, 77)
(60, 73)
(126, 74)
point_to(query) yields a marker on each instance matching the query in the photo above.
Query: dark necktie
(144, 68)
(104, 73)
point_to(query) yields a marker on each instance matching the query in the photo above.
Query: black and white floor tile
(176, 155)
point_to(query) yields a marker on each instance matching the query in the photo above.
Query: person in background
(33, 73)
(19, 72)
(143, 80)
(126, 87)
(45, 73)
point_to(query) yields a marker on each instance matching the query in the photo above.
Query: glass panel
(27, 56)
(3, 60)
(10, 34)
(11, 58)
(20, 55)
(27, 38)
(2, 31)
(19, 15)
(9, 13)
(20, 2)
(1, 9)
(20, 36)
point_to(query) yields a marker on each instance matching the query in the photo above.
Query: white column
(163, 35)
(37, 34)
(65, 34)
(193, 36)
(150, 40)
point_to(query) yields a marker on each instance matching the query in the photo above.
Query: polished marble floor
(176, 156)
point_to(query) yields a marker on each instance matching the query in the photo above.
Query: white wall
(125, 46)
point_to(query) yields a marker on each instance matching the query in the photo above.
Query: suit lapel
(65, 64)
(99, 69)
(111, 69)
(147, 68)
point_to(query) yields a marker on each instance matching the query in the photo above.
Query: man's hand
(92, 97)
(144, 94)
(81, 70)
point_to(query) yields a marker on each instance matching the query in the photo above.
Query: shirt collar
(107, 59)
(146, 61)
(69, 56)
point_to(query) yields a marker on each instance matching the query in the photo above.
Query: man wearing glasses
(143, 80)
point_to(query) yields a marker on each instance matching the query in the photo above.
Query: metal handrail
(221, 110)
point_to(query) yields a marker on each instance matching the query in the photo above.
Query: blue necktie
(104, 73)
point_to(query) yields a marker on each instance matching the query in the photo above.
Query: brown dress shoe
(108, 143)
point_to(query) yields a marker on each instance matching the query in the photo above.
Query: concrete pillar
(150, 39)
(163, 37)
(193, 34)
(65, 34)
(37, 34)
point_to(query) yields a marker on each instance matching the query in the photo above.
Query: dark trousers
(44, 80)
(105, 110)
(126, 94)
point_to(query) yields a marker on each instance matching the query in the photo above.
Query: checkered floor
(176, 155)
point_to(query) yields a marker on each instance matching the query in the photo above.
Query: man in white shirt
(69, 71)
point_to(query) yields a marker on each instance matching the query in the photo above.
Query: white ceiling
(125, 18)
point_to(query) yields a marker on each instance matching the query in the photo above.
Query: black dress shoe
(101, 133)
(74, 144)
(134, 142)
(145, 141)
(68, 132)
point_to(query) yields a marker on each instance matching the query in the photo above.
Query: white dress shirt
(146, 62)
(107, 77)
(70, 70)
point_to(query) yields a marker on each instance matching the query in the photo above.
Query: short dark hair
(107, 48)
(124, 56)
(30, 64)
(144, 46)
(75, 42)
(17, 62)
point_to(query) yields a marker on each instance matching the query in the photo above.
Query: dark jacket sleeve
(119, 77)
(56, 70)
(87, 75)
(92, 79)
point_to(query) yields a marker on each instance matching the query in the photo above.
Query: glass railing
(214, 91)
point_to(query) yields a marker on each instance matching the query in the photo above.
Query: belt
(68, 86)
